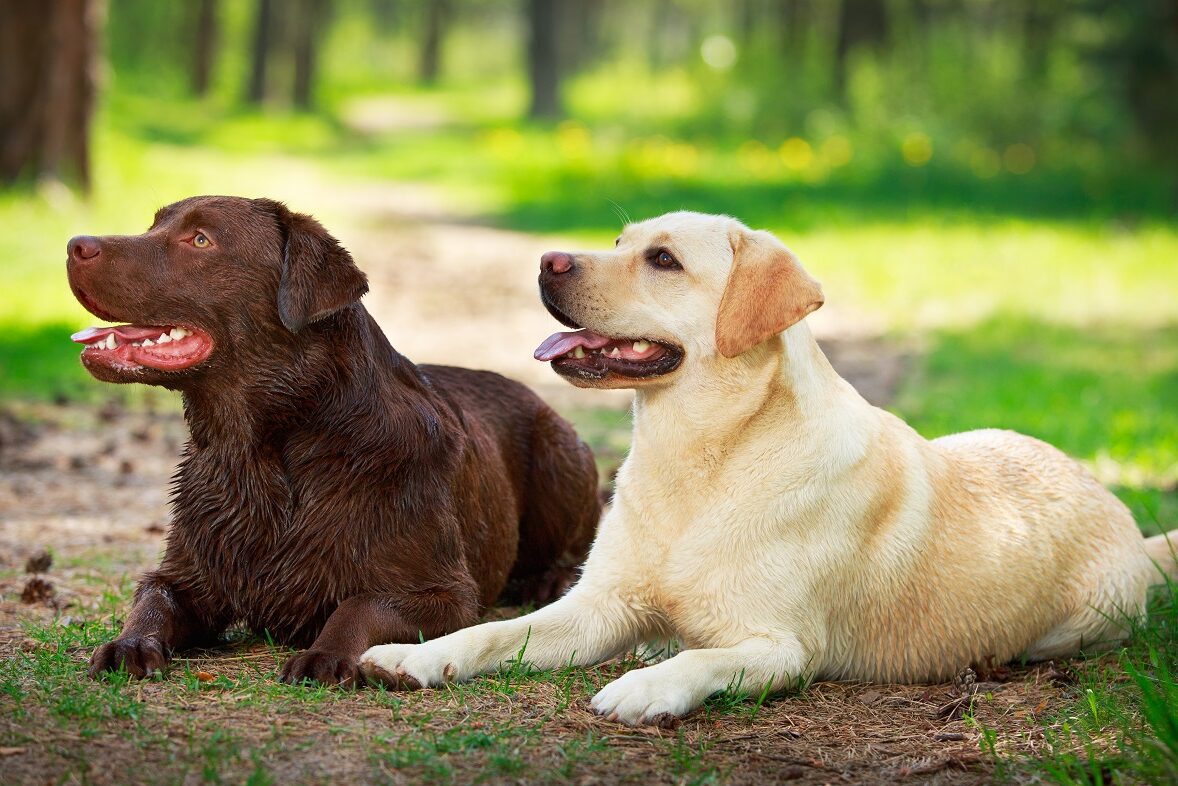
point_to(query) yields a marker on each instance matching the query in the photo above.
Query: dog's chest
(716, 572)
(252, 551)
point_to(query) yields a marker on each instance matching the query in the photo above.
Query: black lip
(555, 311)
(90, 305)
(600, 366)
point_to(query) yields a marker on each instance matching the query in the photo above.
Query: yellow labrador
(774, 521)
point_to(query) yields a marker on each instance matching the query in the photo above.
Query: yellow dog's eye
(200, 241)
(664, 260)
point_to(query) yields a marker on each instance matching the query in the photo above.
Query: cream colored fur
(782, 528)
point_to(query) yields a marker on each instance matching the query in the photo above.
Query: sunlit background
(985, 188)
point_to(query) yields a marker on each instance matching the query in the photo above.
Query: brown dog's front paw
(142, 656)
(326, 668)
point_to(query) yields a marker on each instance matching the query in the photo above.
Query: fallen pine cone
(37, 590)
(39, 562)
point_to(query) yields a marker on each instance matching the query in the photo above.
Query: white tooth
(178, 333)
(579, 352)
(641, 346)
(136, 344)
(147, 342)
(615, 353)
(111, 343)
(163, 339)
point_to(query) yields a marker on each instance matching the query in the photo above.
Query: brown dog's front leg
(161, 621)
(376, 618)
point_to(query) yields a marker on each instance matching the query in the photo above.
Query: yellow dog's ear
(767, 291)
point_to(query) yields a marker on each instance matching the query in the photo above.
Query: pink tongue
(559, 344)
(89, 334)
(125, 332)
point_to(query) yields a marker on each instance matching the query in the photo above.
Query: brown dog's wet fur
(333, 494)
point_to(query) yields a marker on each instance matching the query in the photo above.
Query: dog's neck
(786, 381)
(251, 409)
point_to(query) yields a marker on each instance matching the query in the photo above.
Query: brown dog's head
(678, 289)
(214, 280)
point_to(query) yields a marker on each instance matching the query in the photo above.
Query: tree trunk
(861, 23)
(306, 44)
(579, 27)
(749, 16)
(436, 13)
(204, 46)
(793, 20)
(48, 59)
(261, 52)
(543, 66)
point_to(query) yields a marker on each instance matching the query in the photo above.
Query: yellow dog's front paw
(406, 666)
(644, 697)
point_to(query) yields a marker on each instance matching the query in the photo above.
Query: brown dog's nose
(556, 262)
(84, 247)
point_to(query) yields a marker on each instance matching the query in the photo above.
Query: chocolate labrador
(332, 493)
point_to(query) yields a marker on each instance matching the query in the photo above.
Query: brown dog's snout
(84, 247)
(556, 262)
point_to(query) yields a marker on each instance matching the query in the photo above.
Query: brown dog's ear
(318, 274)
(767, 291)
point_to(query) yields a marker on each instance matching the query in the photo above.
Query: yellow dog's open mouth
(583, 353)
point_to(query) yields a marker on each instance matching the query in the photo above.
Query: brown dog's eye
(662, 258)
(200, 241)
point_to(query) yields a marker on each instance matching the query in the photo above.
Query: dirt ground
(91, 483)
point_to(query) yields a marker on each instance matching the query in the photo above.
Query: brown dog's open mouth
(583, 353)
(131, 347)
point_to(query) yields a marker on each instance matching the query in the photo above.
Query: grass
(241, 724)
(1121, 725)
(220, 716)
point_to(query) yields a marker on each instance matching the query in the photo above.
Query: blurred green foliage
(975, 182)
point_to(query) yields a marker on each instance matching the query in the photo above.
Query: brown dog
(332, 493)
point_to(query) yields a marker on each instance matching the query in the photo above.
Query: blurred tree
(1039, 22)
(861, 23)
(748, 13)
(1143, 54)
(669, 35)
(793, 18)
(309, 20)
(48, 55)
(437, 13)
(204, 45)
(260, 56)
(543, 65)
(579, 26)
(386, 15)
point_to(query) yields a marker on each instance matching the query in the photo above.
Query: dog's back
(549, 469)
